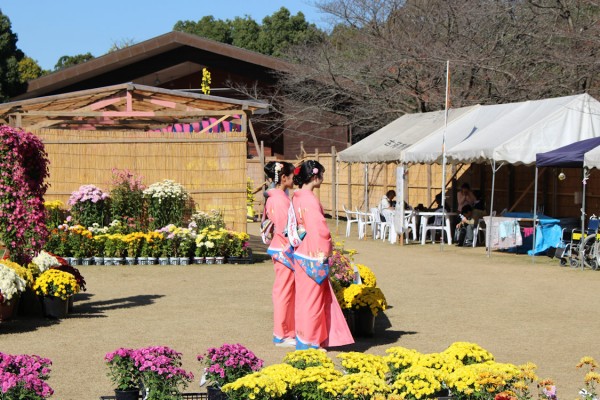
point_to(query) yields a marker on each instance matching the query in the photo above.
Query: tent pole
(366, 202)
(444, 151)
(535, 193)
(584, 181)
(488, 229)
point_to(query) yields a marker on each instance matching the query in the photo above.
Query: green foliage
(127, 202)
(69, 61)
(10, 55)
(276, 34)
(29, 69)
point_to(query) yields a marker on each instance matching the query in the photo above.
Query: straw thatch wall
(211, 166)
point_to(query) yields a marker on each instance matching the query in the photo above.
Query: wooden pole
(317, 190)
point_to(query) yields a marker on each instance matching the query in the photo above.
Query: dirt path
(517, 310)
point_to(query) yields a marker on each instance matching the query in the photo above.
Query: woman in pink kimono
(276, 210)
(320, 322)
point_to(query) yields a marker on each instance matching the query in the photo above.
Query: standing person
(319, 319)
(283, 294)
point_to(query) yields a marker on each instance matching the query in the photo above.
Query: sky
(50, 29)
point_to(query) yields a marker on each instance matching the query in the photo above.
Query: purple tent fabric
(570, 155)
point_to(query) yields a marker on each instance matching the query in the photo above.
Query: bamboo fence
(210, 166)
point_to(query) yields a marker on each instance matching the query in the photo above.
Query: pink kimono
(319, 318)
(281, 252)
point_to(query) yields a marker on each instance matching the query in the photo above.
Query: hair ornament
(315, 171)
(297, 171)
(278, 167)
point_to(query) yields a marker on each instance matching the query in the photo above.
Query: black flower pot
(130, 394)
(215, 393)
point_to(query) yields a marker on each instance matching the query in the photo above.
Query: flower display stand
(142, 260)
(163, 260)
(209, 260)
(55, 307)
(220, 260)
(98, 260)
(71, 304)
(184, 396)
(151, 261)
(198, 260)
(130, 260)
(174, 260)
(86, 261)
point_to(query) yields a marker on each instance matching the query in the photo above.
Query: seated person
(479, 207)
(465, 196)
(463, 235)
(387, 203)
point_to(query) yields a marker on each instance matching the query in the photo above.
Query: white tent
(429, 149)
(591, 159)
(387, 144)
(532, 127)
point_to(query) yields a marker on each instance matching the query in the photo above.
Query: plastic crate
(186, 396)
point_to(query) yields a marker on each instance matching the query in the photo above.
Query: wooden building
(175, 61)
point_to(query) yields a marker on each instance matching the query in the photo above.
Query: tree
(385, 58)
(69, 61)
(10, 55)
(207, 27)
(121, 44)
(29, 69)
(277, 33)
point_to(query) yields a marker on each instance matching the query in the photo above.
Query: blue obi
(284, 256)
(317, 270)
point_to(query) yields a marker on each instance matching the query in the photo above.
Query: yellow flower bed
(56, 283)
(354, 362)
(403, 374)
(303, 359)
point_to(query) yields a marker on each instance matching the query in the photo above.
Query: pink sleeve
(277, 211)
(317, 231)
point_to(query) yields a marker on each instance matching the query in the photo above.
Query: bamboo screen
(211, 166)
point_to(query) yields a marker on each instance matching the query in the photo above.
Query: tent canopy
(532, 127)
(571, 155)
(429, 149)
(387, 144)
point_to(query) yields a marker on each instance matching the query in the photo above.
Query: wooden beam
(205, 130)
(143, 140)
(526, 191)
(200, 113)
(333, 182)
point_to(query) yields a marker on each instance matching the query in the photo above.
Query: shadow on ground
(96, 309)
(83, 308)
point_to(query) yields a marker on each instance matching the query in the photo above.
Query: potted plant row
(168, 245)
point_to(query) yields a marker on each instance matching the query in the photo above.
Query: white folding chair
(480, 227)
(377, 223)
(351, 218)
(388, 226)
(410, 222)
(364, 219)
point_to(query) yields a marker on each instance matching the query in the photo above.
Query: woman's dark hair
(275, 169)
(304, 173)
(390, 194)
